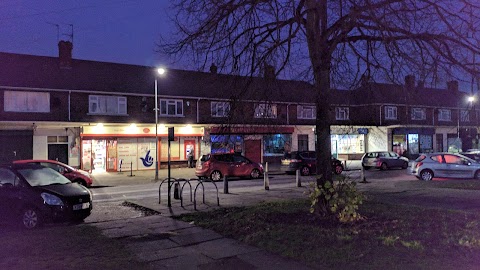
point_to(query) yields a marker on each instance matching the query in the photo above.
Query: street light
(160, 71)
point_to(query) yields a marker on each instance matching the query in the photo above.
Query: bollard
(362, 176)
(225, 185)
(266, 180)
(131, 169)
(298, 179)
(176, 191)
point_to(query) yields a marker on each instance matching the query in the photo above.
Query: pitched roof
(17, 70)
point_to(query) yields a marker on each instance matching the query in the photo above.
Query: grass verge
(389, 237)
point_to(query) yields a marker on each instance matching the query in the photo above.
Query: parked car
(75, 175)
(448, 165)
(473, 154)
(215, 166)
(32, 194)
(384, 160)
(306, 162)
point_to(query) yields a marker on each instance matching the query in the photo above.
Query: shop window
(220, 109)
(51, 139)
(391, 112)
(107, 105)
(348, 143)
(306, 112)
(265, 111)
(21, 101)
(413, 147)
(63, 139)
(464, 116)
(444, 115)
(419, 114)
(226, 143)
(171, 107)
(277, 144)
(342, 113)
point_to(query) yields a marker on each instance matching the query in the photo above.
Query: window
(265, 111)
(465, 116)
(391, 112)
(276, 144)
(444, 115)
(419, 114)
(306, 112)
(171, 107)
(342, 113)
(302, 142)
(220, 109)
(451, 159)
(20, 101)
(108, 105)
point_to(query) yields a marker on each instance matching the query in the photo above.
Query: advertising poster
(146, 153)
(127, 153)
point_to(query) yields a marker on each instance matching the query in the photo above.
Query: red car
(74, 175)
(215, 166)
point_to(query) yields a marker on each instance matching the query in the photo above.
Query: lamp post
(160, 71)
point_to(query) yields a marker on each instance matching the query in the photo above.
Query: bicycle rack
(200, 182)
(172, 183)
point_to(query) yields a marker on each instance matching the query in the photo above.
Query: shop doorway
(253, 150)
(58, 152)
(94, 155)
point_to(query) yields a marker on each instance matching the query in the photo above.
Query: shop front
(124, 148)
(410, 142)
(260, 144)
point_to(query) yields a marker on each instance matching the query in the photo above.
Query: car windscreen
(42, 176)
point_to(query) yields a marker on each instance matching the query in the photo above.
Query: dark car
(384, 160)
(306, 162)
(32, 194)
(74, 175)
(473, 154)
(215, 166)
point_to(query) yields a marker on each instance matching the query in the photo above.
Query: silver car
(448, 165)
(383, 160)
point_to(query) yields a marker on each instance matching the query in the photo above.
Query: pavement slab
(223, 248)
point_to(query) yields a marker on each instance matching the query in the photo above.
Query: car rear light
(418, 164)
(295, 160)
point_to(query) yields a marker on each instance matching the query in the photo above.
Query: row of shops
(124, 148)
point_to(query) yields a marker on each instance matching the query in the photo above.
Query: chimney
(269, 72)
(410, 82)
(213, 69)
(452, 86)
(65, 54)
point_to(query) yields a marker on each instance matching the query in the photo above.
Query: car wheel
(80, 182)
(405, 165)
(477, 175)
(384, 166)
(426, 175)
(216, 176)
(338, 169)
(255, 174)
(305, 171)
(31, 218)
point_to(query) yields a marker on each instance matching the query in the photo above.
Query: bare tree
(330, 43)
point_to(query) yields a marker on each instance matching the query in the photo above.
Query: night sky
(121, 31)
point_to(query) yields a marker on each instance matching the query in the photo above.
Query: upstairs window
(465, 116)
(306, 112)
(107, 105)
(419, 114)
(21, 101)
(220, 109)
(171, 107)
(265, 110)
(342, 113)
(391, 112)
(444, 115)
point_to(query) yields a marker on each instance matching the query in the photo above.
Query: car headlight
(51, 199)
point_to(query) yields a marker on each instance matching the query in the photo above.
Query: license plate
(81, 206)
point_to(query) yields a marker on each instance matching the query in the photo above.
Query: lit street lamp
(160, 71)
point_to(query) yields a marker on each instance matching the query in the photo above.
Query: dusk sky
(122, 31)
